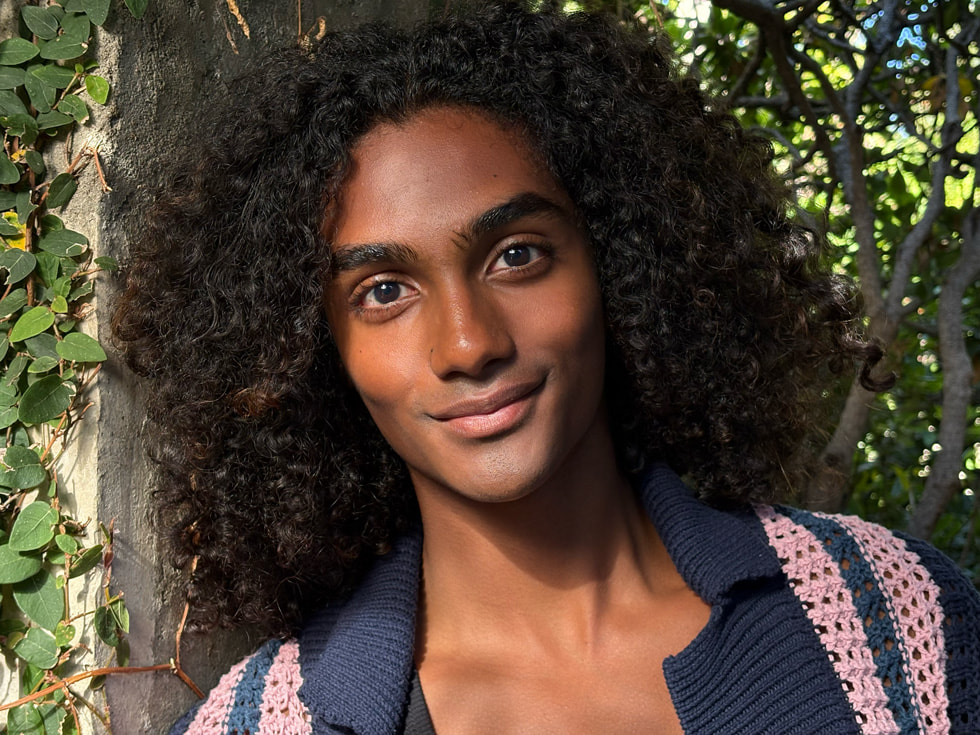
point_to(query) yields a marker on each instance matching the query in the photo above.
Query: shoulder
(258, 694)
(889, 609)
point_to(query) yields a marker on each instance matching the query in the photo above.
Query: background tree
(873, 108)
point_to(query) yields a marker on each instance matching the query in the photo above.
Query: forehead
(438, 169)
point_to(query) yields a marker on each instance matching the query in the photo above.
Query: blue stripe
(247, 709)
(871, 605)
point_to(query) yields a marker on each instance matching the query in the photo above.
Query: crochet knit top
(819, 624)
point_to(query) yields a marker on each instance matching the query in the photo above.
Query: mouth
(484, 416)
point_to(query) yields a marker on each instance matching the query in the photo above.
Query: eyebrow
(518, 206)
(352, 257)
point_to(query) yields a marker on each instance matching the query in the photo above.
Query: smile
(481, 417)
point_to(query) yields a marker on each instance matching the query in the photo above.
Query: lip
(482, 416)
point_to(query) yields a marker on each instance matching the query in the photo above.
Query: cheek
(382, 374)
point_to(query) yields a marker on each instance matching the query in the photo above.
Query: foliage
(873, 108)
(47, 82)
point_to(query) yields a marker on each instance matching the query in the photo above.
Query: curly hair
(725, 326)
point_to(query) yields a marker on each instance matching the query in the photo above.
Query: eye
(383, 293)
(380, 297)
(517, 256)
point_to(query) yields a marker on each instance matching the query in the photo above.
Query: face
(465, 306)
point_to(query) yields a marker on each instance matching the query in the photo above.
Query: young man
(430, 329)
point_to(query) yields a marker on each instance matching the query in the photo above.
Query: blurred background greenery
(872, 108)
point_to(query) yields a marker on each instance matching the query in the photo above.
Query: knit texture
(819, 624)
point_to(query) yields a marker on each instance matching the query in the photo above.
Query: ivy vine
(48, 80)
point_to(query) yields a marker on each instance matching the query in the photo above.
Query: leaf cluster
(47, 84)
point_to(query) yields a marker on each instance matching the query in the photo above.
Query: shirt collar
(357, 656)
(712, 549)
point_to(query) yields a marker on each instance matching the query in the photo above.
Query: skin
(464, 302)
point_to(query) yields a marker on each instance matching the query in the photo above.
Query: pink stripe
(282, 711)
(815, 579)
(913, 601)
(212, 717)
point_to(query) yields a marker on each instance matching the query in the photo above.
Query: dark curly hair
(725, 326)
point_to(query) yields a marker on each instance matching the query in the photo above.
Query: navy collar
(356, 657)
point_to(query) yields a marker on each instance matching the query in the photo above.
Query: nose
(469, 335)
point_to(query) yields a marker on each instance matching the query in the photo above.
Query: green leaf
(9, 626)
(107, 263)
(19, 264)
(10, 104)
(64, 634)
(33, 527)
(15, 51)
(47, 399)
(97, 88)
(47, 267)
(13, 302)
(25, 207)
(86, 561)
(78, 347)
(14, 370)
(84, 290)
(61, 189)
(120, 615)
(9, 173)
(30, 677)
(33, 322)
(52, 74)
(51, 222)
(74, 106)
(64, 243)
(42, 365)
(105, 627)
(42, 22)
(66, 543)
(36, 161)
(42, 94)
(18, 456)
(8, 416)
(77, 28)
(137, 7)
(11, 77)
(62, 286)
(53, 119)
(16, 566)
(39, 648)
(96, 10)
(8, 230)
(41, 600)
(59, 305)
(53, 716)
(43, 345)
(26, 719)
(4, 346)
(23, 126)
(23, 478)
(60, 49)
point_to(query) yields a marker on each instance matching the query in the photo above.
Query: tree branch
(951, 133)
(944, 481)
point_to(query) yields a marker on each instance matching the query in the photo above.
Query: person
(432, 330)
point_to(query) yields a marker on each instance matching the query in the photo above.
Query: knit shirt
(819, 624)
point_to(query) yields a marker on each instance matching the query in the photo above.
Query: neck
(548, 565)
